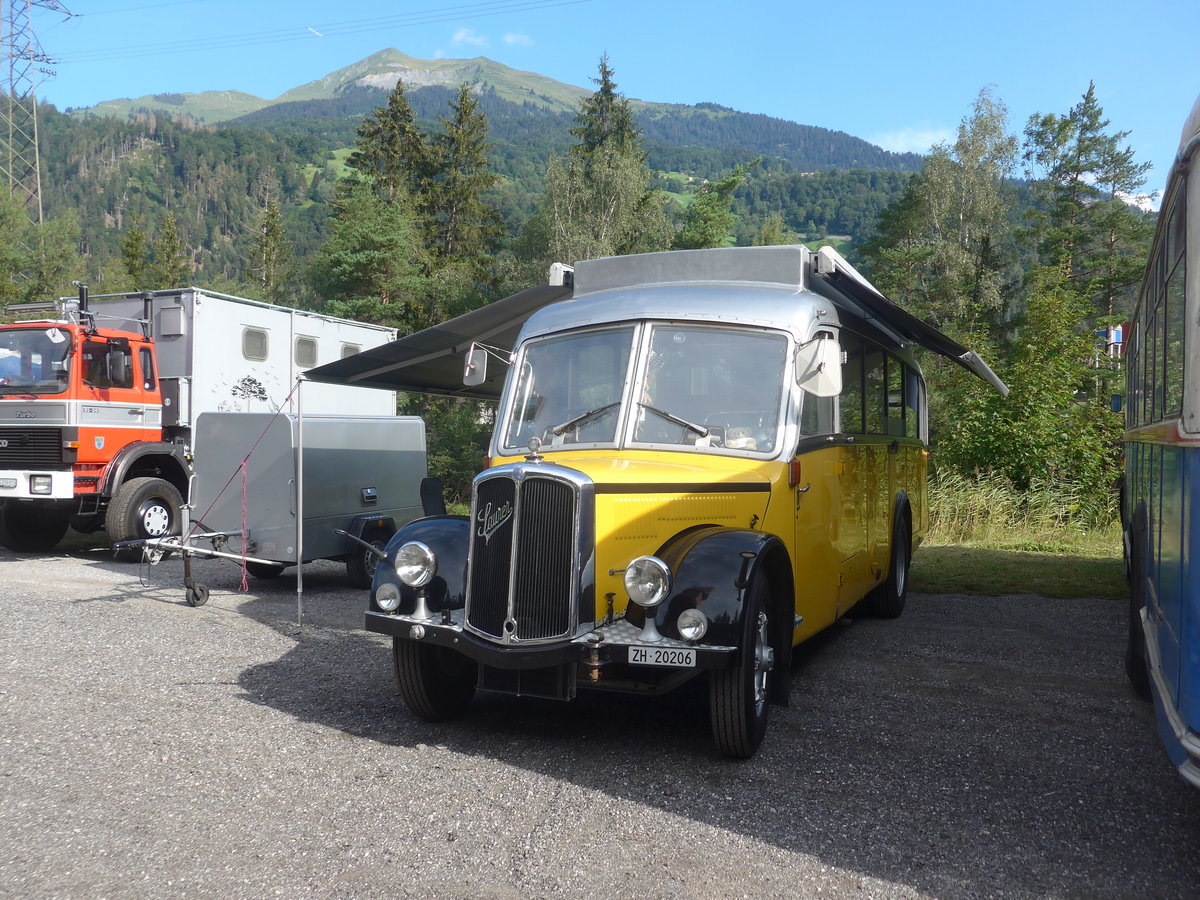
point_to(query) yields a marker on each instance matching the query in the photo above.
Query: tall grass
(1051, 516)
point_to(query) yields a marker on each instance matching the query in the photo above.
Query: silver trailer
(349, 481)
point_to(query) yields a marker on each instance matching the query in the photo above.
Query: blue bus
(1160, 507)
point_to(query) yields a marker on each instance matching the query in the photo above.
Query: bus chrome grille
(523, 561)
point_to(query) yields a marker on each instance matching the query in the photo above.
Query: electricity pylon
(20, 163)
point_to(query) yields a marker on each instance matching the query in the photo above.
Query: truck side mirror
(475, 369)
(819, 366)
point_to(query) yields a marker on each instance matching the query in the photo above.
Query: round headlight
(692, 624)
(415, 564)
(387, 597)
(648, 581)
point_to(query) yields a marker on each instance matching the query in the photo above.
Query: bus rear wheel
(887, 601)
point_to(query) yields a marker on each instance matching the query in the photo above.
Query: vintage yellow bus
(700, 459)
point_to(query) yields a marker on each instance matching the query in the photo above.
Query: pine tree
(390, 149)
(1083, 177)
(460, 222)
(171, 266)
(135, 254)
(270, 255)
(599, 201)
(370, 268)
(709, 220)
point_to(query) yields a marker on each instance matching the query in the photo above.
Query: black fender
(159, 459)
(449, 538)
(712, 569)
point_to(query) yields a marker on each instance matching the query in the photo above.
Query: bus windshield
(701, 387)
(34, 361)
(712, 387)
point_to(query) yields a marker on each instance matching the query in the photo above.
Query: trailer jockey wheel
(197, 595)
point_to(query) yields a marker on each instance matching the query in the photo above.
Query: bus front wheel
(738, 697)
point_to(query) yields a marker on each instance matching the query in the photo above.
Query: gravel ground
(976, 747)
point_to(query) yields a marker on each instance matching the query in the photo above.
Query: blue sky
(900, 75)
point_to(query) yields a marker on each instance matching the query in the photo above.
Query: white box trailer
(259, 475)
(220, 353)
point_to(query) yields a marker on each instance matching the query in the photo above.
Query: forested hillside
(115, 174)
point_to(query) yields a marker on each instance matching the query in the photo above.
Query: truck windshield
(570, 388)
(712, 387)
(34, 360)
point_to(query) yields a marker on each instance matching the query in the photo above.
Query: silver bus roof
(431, 361)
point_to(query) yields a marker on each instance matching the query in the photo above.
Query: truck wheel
(142, 508)
(887, 601)
(25, 528)
(737, 697)
(361, 563)
(435, 683)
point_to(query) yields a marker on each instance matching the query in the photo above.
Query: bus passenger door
(853, 470)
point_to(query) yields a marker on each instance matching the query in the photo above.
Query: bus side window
(875, 390)
(895, 397)
(913, 403)
(851, 401)
(816, 415)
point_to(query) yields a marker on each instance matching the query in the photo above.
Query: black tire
(738, 698)
(197, 595)
(1136, 667)
(887, 601)
(264, 571)
(435, 683)
(32, 528)
(362, 563)
(142, 508)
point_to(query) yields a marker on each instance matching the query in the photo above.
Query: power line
(335, 29)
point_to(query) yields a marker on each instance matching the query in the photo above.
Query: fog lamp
(40, 484)
(648, 581)
(415, 564)
(387, 597)
(692, 625)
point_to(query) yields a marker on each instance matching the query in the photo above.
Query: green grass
(986, 537)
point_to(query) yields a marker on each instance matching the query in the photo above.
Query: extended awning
(882, 312)
(431, 361)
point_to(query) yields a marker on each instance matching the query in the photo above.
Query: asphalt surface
(975, 747)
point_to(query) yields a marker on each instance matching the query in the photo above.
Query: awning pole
(300, 503)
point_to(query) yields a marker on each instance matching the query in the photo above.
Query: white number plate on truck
(662, 656)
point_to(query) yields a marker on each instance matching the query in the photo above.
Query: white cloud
(518, 40)
(914, 138)
(468, 37)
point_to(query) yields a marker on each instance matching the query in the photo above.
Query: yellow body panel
(836, 522)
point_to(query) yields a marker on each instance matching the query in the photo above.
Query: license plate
(662, 656)
(8, 483)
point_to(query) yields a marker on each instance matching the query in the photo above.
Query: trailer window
(254, 343)
(306, 352)
(350, 350)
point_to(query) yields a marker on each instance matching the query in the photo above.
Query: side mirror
(475, 369)
(819, 366)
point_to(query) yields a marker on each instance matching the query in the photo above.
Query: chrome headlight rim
(387, 597)
(415, 564)
(692, 625)
(648, 581)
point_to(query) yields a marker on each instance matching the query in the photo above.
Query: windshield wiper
(690, 426)
(559, 429)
